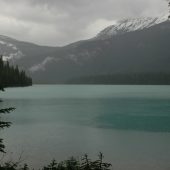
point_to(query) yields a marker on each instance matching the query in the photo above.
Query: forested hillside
(11, 76)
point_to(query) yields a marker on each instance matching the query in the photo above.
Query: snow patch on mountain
(129, 25)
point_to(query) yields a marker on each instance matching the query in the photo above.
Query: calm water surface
(129, 124)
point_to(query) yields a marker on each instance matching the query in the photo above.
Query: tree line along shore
(12, 76)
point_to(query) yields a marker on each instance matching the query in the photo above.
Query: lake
(129, 124)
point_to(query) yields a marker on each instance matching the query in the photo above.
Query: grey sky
(59, 22)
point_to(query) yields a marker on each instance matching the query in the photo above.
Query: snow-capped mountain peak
(129, 25)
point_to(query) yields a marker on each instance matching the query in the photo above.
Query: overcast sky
(59, 22)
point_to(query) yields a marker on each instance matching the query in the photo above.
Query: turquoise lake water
(129, 124)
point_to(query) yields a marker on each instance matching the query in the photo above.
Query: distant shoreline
(116, 79)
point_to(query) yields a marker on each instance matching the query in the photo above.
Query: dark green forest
(11, 76)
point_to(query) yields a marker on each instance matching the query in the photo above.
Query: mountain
(18, 50)
(129, 25)
(130, 46)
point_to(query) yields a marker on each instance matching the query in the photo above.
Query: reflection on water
(129, 124)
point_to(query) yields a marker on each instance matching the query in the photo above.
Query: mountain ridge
(129, 25)
(139, 50)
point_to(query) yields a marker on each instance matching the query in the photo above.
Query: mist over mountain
(131, 46)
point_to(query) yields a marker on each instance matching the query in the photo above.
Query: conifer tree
(168, 9)
(3, 124)
(11, 76)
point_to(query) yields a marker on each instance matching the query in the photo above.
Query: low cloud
(59, 22)
(41, 66)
